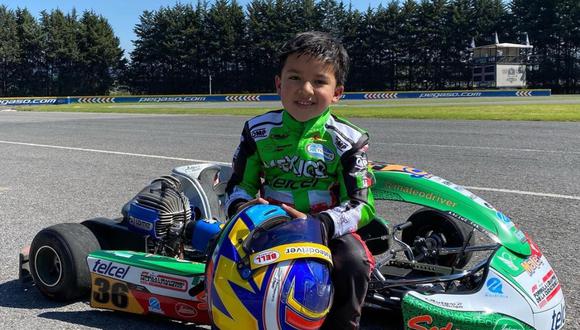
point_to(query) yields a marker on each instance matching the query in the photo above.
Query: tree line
(402, 45)
(57, 54)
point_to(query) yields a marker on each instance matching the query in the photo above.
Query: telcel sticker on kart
(155, 282)
(552, 319)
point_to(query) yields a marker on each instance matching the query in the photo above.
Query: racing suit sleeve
(357, 202)
(245, 180)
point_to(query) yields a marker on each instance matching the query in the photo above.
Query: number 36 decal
(105, 292)
(112, 294)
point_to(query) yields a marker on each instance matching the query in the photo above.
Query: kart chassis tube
(384, 283)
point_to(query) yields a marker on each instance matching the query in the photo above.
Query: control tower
(500, 65)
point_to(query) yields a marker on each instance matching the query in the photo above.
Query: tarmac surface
(68, 167)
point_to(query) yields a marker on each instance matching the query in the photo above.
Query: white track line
(519, 192)
(223, 163)
(112, 152)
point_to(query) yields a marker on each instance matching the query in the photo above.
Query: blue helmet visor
(280, 231)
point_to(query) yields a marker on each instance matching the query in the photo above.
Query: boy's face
(307, 86)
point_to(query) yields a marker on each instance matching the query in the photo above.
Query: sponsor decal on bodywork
(427, 195)
(414, 172)
(421, 315)
(558, 317)
(156, 282)
(546, 289)
(113, 294)
(423, 322)
(163, 281)
(508, 259)
(511, 226)
(462, 191)
(186, 311)
(494, 287)
(108, 268)
(537, 280)
(535, 261)
(447, 304)
(495, 296)
(155, 306)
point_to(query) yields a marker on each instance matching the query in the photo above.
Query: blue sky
(124, 14)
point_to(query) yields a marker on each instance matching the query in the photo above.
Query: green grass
(555, 108)
(566, 112)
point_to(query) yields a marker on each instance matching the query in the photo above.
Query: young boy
(312, 163)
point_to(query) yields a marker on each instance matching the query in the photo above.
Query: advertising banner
(386, 95)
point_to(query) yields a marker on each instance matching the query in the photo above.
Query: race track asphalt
(67, 167)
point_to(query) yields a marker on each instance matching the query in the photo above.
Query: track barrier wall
(18, 101)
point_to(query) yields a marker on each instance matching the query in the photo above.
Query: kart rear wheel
(58, 261)
(434, 229)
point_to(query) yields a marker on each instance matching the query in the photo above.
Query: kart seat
(377, 235)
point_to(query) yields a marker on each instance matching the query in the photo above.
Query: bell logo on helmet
(266, 257)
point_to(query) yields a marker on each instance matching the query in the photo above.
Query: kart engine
(162, 211)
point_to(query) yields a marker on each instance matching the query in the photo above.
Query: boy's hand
(294, 213)
(327, 225)
(258, 200)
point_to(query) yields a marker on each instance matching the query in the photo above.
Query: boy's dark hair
(321, 46)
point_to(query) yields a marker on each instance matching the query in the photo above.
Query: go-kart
(455, 263)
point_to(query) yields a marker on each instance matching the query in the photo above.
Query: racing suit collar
(312, 126)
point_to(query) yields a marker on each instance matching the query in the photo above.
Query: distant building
(500, 65)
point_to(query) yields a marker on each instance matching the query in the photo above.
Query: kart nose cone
(552, 319)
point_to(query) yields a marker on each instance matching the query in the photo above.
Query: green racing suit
(319, 167)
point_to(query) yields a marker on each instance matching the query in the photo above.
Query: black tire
(428, 222)
(58, 261)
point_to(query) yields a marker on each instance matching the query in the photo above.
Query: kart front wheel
(58, 260)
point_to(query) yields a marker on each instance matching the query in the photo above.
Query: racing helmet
(269, 271)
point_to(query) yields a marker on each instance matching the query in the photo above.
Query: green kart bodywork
(406, 184)
(153, 262)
